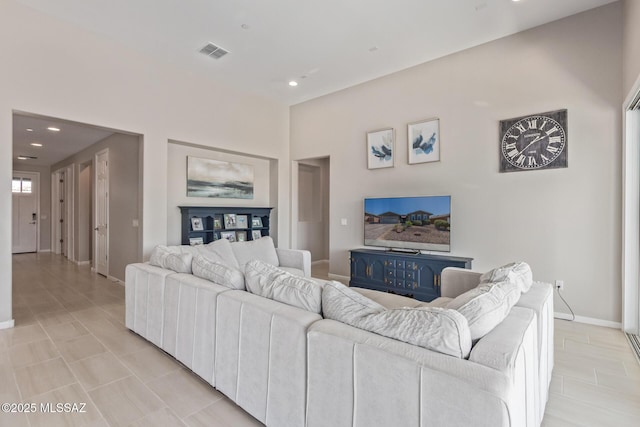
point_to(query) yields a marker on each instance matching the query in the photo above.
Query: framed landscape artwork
(380, 149)
(424, 141)
(215, 178)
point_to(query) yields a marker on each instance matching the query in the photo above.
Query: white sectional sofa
(288, 366)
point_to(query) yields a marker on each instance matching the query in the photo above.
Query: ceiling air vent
(213, 51)
(23, 157)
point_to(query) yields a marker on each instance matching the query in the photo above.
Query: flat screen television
(420, 223)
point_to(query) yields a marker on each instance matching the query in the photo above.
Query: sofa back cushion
(271, 282)
(176, 258)
(219, 251)
(262, 249)
(516, 272)
(486, 306)
(217, 272)
(438, 329)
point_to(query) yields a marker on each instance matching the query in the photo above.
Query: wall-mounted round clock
(538, 141)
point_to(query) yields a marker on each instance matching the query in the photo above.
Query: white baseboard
(589, 320)
(339, 277)
(44, 250)
(115, 279)
(7, 324)
(320, 261)
(83, 262)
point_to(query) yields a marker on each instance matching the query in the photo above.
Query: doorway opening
(311, 214)
(631, 214)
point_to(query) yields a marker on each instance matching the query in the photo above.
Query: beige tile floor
(70, 346)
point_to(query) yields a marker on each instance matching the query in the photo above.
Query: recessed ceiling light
(293, 83)
(22, 158)
(373, 49)
(36, 144)
(52, 129)
(244, 26)
(29, 130)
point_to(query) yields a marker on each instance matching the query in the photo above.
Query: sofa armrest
(295, 258)
(456, 281)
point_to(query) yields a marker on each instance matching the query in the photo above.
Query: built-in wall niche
(265, 191)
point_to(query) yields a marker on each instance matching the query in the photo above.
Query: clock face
(534, 142)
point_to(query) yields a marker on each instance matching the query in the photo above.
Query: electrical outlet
(560, 284)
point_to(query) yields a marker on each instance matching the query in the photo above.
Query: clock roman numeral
(544, 123)
(513, 153)
(521, 160)
(533, 123)
(552, 149)
(512, 136)
(552, 130)
(521, 128)
(555, 140)
(532, 161)
(511, 146)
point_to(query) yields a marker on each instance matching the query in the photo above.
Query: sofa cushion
(262, 249)
(176, 258)
(388, 300)
(217, 272)
(292, 270)
(434, 328)
(517, 272)
(271, 282)
(486, 306)
(219, 251)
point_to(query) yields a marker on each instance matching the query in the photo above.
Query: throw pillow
(262, 249)
(270, 282)
(434, 328)
(217, 272)
(486, 306)
(517, 272)
(176, 258)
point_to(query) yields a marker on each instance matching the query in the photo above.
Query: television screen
(408, 222)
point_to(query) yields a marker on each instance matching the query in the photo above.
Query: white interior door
(101, 222)
(25, 190)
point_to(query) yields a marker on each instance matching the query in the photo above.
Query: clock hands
(532, 142)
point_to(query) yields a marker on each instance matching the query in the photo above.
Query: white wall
(564, 222)
(56, 69)
(631, 44)
(177, 184)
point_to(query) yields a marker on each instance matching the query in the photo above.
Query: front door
(25, 190)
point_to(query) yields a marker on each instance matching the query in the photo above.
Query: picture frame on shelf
(196, 224)
(380, 148)
(256, 234)
(241, 236)
(230, 221)
(195, 241)
(242, 221)
(217, 223)
(229, 235)
(256, 222)
(423, 141)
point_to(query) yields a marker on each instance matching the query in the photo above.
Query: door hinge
(61, 220)
(61, 241)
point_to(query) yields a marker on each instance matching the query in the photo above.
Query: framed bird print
(424, 141)
(380, 146)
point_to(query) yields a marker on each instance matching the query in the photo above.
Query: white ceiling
(56, 146)
(328, 41)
